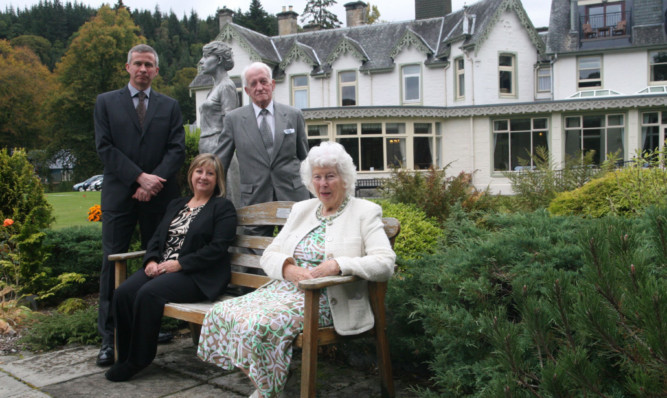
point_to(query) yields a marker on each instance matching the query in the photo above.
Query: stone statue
(215, 62)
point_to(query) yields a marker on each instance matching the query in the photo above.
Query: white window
(380, 146)
(590, 72)
(239, 89)
(411, 84)
(658, 65)
(543, 79)
(604, 134)
(459, 78)
(506, 75)
(654, 131)
(317, 133)
(347, 85)
(300, 91)
(515, 141)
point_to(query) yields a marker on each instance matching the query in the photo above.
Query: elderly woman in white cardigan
(332, 234)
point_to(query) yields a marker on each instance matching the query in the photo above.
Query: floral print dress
(255, 332)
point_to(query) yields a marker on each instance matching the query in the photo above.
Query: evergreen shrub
(624, 191)
(533, 305)
(58, 329)
(419, 234)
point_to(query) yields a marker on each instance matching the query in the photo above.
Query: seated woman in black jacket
(186, 261)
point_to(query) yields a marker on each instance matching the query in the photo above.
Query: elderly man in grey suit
(140, 139)
(270, 143)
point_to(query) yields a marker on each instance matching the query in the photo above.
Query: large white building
(477, 88)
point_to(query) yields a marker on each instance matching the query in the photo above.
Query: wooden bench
(367, 183)
(275, 213)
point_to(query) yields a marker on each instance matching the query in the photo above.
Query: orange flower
(95, 213)
(8, 222)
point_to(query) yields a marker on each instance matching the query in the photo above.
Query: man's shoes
(164, 337)
(105, 356)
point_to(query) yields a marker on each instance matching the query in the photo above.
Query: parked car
(97, 185)
(85, 186)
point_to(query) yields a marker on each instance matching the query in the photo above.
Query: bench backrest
(268, 214)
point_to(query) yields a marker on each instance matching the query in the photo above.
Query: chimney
(224, 16)
(432, 8)
(287, 22)
(356, 13)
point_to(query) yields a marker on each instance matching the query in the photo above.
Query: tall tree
(94, 63)
(24, 80)
(257, 19)
(316, 13)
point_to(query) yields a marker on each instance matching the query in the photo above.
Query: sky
(390, 10)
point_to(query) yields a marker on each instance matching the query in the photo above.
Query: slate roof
(375, 46)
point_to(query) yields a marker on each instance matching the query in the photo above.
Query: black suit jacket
(203, 255)
(126, 150)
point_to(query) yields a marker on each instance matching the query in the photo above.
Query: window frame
(342, 85)
(295, 89)
(537, 79)
(651, 64)
(512, 72)
(459, 74)
(581, 81)
(404, 84)
(604, 130)
(509, 131)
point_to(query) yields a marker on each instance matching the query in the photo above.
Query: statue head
(220, 52)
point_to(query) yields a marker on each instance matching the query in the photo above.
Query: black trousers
(117, 230)
(137, 307)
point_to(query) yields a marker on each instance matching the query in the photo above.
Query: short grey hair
(256, 65)
(329, 154)
(143, 48)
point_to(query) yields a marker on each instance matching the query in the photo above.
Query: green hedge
(534, 305)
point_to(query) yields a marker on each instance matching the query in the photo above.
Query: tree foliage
(94, 63)
(257, 19)
(316, 13)
(24, 83)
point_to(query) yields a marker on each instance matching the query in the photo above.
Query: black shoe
(164, 337)
(105, 356)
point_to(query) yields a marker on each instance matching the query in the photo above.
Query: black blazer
(126, 151)
(203, 256)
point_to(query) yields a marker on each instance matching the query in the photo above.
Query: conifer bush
(534, 305)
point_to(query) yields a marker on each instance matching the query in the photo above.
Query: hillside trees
(24, 80)
(93, 64)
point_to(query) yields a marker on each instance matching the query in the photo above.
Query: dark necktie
(141, 108)
(264, 128)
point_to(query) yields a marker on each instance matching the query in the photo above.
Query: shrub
(535, 189)
(22, 200)
(433, 192)
(419, 234)
(56, 330)
(533, 305)
(625, 191)
(191, 151)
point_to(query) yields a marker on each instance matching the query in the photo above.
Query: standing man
(140, 138)
(270, 143)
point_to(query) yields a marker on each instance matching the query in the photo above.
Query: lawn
(71, 208)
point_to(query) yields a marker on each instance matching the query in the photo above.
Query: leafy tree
(372, 14)
(180, 90)
(93, 64)
(24, 80)
(316, 13)
(39, 45)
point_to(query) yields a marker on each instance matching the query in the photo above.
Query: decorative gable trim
(518, 9)
(228, 33)
(346, 45)
(298, 53)
(410, 38)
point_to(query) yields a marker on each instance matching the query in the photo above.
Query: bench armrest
(326, 281)
(126, 256)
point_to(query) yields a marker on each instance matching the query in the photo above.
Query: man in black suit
(140, 139)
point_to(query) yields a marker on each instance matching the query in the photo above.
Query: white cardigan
(356, 240)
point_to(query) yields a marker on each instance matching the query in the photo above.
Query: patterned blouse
(177, 230)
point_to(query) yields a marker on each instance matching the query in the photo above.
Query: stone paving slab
(10, 388)
(54, 367)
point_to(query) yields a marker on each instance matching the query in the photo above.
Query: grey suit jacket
(265, 178)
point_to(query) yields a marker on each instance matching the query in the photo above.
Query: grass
(71, 208)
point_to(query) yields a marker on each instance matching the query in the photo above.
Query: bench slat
(245, 260)
(272, 213)
(249, 280)
(254, 242)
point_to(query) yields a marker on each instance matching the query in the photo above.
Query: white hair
(256, 65)
(329, 154)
